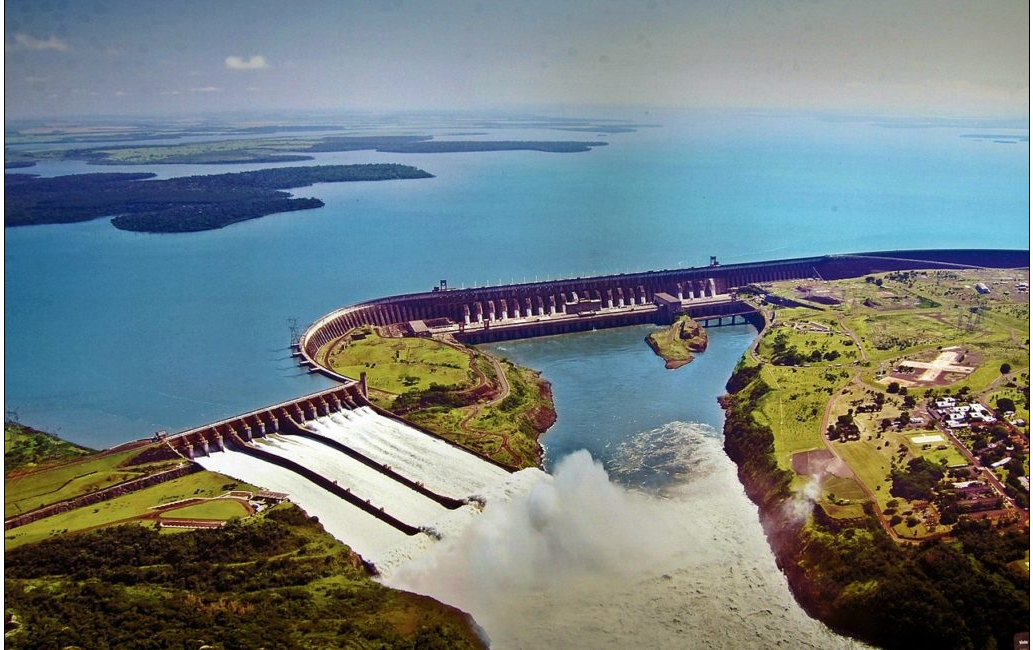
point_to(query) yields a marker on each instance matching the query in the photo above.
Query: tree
(894, 387)
(1005, 368)
(1005, 404)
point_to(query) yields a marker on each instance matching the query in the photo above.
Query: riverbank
(845, 530)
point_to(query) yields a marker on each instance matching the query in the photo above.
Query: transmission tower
(292, 325)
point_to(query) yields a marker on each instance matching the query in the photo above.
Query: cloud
(256, 62)
(26, 42)
(171, 92)
(206, 89)
(120, 93)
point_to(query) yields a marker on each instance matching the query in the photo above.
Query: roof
(665, 299)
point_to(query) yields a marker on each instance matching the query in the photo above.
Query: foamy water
(582, 561)
(344, 521)
(439, 466)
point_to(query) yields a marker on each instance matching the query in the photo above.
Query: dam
(389, 488)
(489, 314)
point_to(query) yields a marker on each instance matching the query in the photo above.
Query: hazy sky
(172, 56)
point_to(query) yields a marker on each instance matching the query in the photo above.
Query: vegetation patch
(27, 448)
(220, 509)
(401, 365)
(275, 581)
(136, 506)
(28, 490)
(677, 343)
(486, 404)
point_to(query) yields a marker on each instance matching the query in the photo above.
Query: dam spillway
(382, 486)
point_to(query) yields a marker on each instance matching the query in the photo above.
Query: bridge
(485, 314)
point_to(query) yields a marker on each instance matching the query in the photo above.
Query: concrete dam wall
(485, 314)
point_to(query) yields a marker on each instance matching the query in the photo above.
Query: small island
(677, 343)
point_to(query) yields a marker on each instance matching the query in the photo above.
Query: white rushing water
(363, 481)
(579, 561)
(361, 530)
(441, 467)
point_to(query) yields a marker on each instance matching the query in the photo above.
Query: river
(644, 536)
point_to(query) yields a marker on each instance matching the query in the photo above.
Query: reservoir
(644, 536)
(113, 335)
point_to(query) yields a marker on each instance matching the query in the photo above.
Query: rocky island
(677, 343)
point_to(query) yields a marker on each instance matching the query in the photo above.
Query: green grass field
(135, 504)
(26, 448)
(794, 410)
(404, 364)
(40, 488)
(223, 509)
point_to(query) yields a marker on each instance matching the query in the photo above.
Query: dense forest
(956, 593)
(275, 582)
(184, 204)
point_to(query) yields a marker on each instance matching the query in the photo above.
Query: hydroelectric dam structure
(709, 294)
(381, 483)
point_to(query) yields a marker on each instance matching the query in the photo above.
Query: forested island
(184, 204)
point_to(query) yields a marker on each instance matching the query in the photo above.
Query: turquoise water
(112, 335)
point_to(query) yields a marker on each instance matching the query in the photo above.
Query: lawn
(870, 465)
(26, 448)
(214, 509)
(135, 504)
(795, 408)
(842, 498)
(399, 365)
(43, 487)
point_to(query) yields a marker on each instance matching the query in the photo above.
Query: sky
(151, 57)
